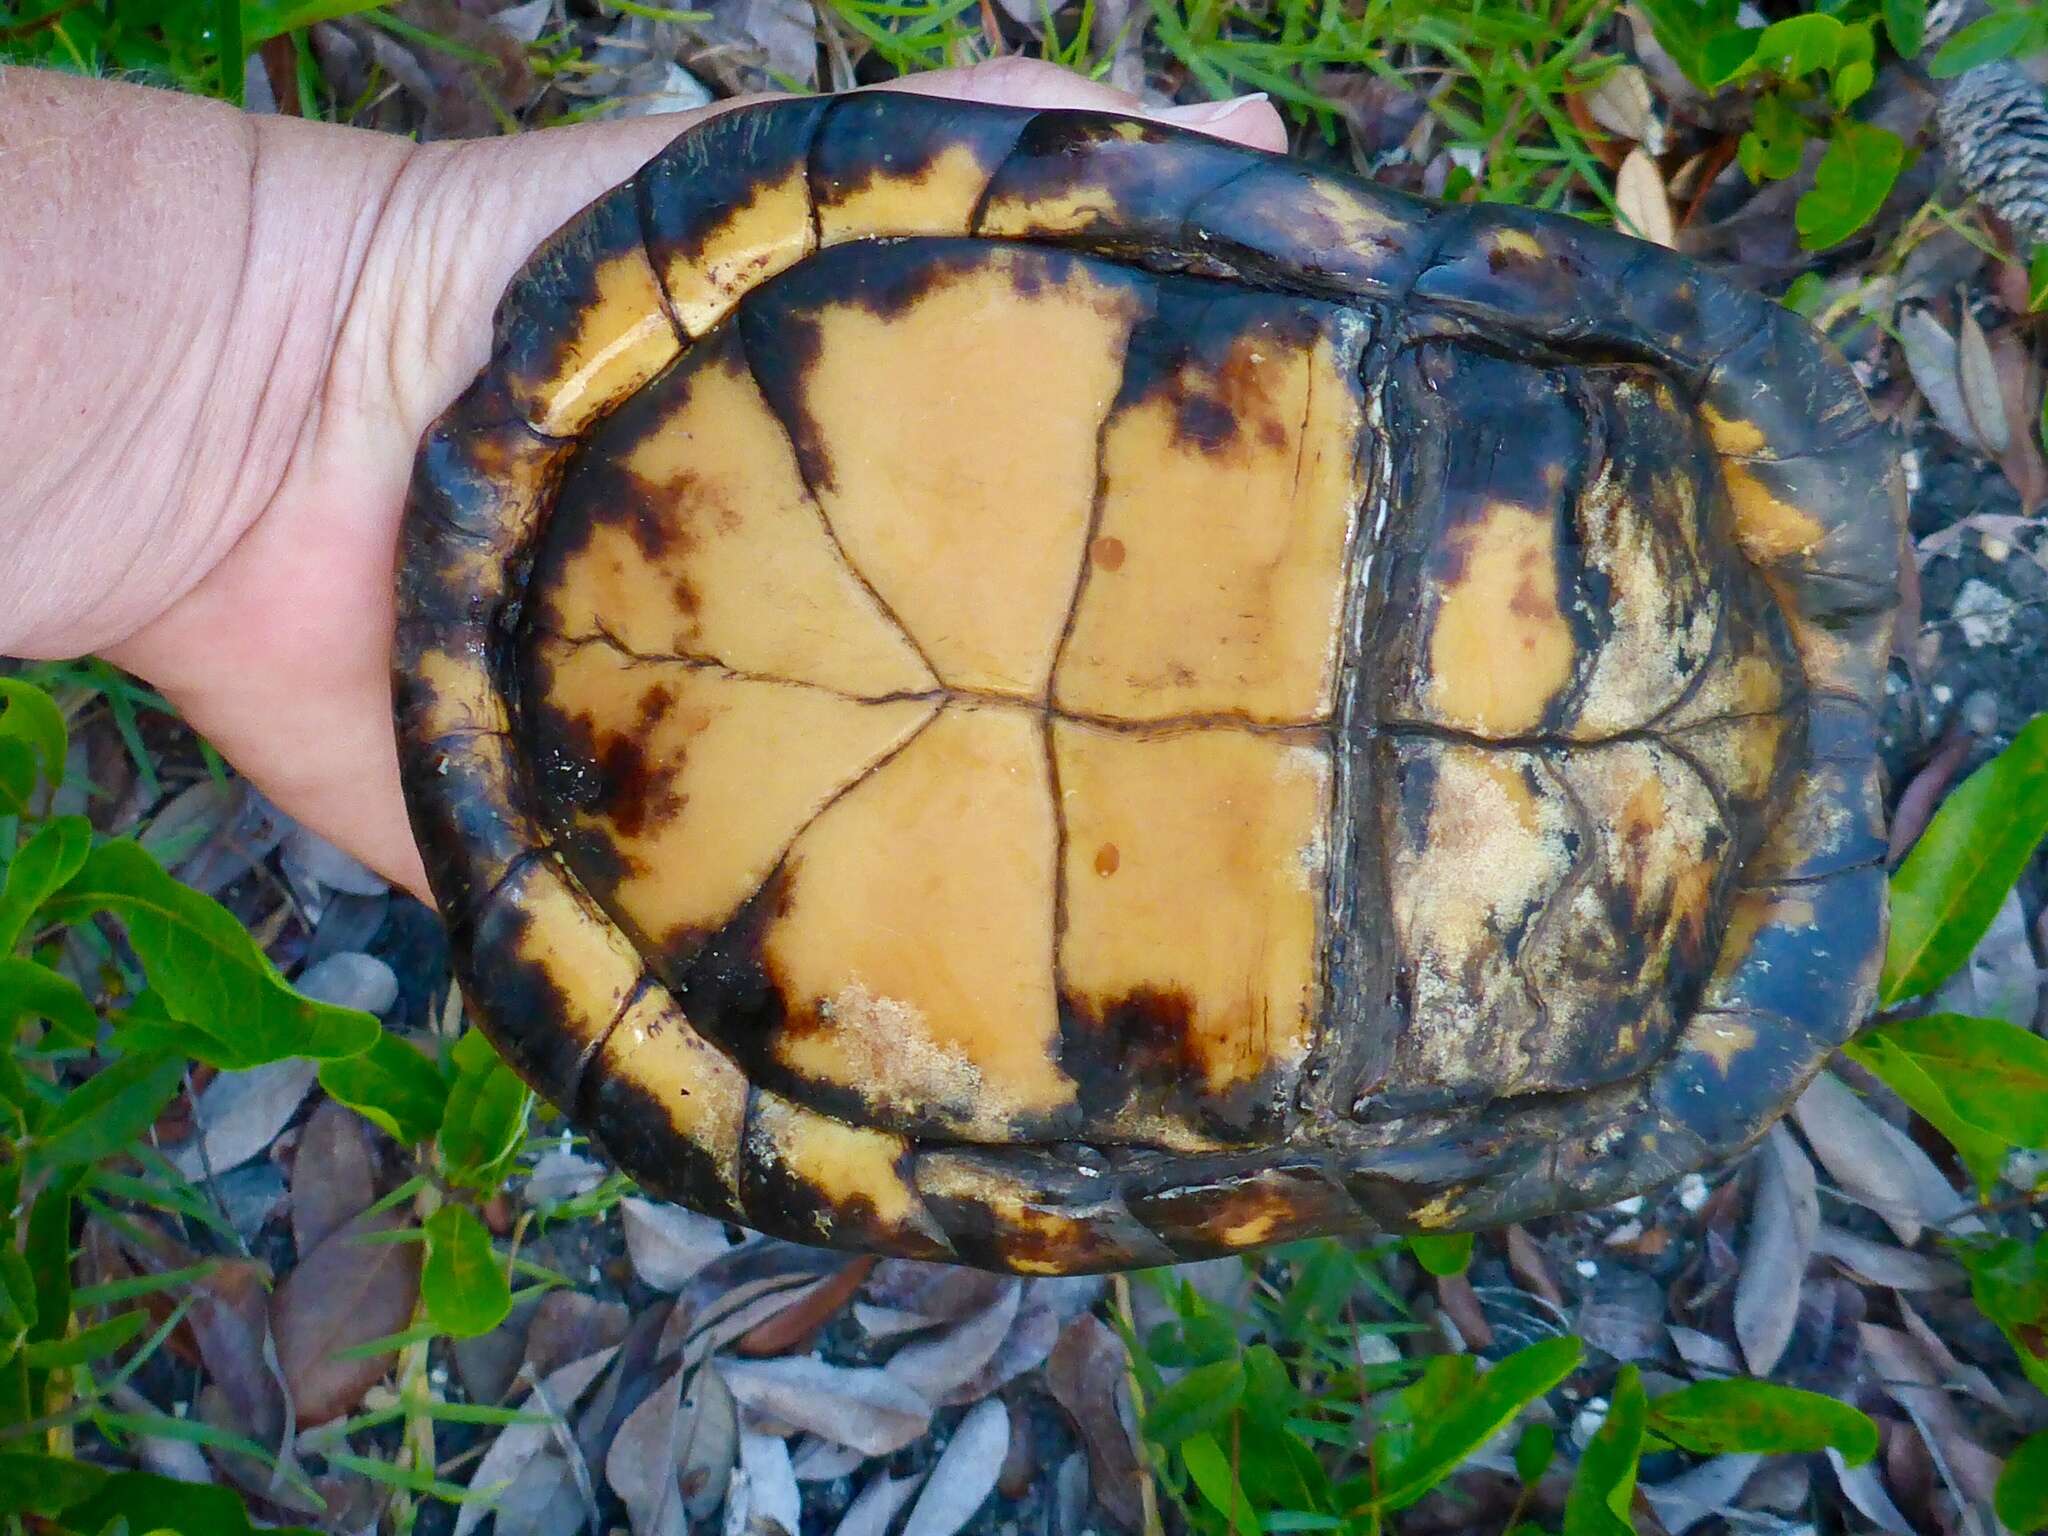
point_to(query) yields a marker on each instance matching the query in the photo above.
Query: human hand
(271, 628)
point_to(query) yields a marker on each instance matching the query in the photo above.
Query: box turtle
(1034, 689)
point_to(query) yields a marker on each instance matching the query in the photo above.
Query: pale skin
(224, 337)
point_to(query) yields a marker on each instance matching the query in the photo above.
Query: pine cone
(1993, 123)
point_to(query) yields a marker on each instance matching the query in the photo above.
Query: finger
(1021, 82)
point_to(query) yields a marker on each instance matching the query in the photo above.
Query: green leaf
(1534, 1451)
(87, 1343)
(1776, 141)
(485, 1121)
(149, 1502)
(1982, 1153)
(40, 868)
(463, 1283)
(30, 990)
(1604, 1485)
(1951, 885)
(2009, 1283)
(1799, 45)
(34, 1484)
(1199, 1401)
(2037, 300)
(1905, 23)
(48, 1252)
(393, 1085)
(1855, 177)
(1702, 38)
(1715, 1417)
(204, 965)
(2021, 1499)
(1998, 36)
(113, 1107)
(1445, 1254)
(1209, 1469)
(1476, 1417)
(29, 715)
(17, 776)
(1993, 1074)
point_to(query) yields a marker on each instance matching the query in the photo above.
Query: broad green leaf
(1491, 1405)
(1799, 45)
(87, 1343)
(1534, 1451)
(1998, 36)
(110, 1110)
(463, 1282)
(1982, 1153)
(1209, 1468)
(148, 1502)
(17, 776)
(48, 1251)
(39, 870)
(484, 1124)
(1445, 1380)
(1951, 885)
(204, 965)
(1715, 1417)
(392, 1085)
(1202, 1339)
(17, 1300)
(1702, 38)
(1604, 1484)
(2037, 291)
(2009, 1283)
(1198, 1402)
(29, 990)
(1447, 1254)
(1855, 177)
(1905, 23)
(2021, 1500)
(27, 714)
(34, 1484)
(1993, 1074)
(1776, 141)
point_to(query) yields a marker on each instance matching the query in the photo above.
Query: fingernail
(1214, 111)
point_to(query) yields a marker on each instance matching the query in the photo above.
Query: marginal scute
(1024, 1210)
(1089, 174)
(668, 1105)
(822, 1179)
(897, 163)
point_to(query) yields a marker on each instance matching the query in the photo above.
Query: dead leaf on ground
(1863, 1488)
(1088, 1376)
(2020, 388)
(667, 1243)
(568, 1325)
(763, 1499)
(1983, 402)
(1644, 203)
(935, 1366)
(1024, 1348)
(1913, 1381)
(1856, 1146)
(1528, 1265)
(859, 1406)
(1700, 1492)
(518, 1445)
(875, 1507)
(239, 1114)
(641, 1464)
(333, 1181)
(1775, 1252)
(793, 1329)
(965, 1474)
(1876, 1263)
(1934, 360)
(344, 1293)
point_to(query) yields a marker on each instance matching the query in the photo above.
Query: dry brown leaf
(940, 1292)
(332, 1180)
(1528, 1265)
(1775, 1252)
(1645, 205)
(1971, 1378)
(859, 1406)
(1454, 1295)
(518, 1445)
(1024, 1348)
(874, 1508)
(569, 1325)
(966, 1473)
(792, 1330)
(345, 1292)
(1699, 1492)
(1088, 1376)
(1703, 1352)
(712, 1443)
(641, 1465)
(240, 1114)
(933, 1367)
(1623, 104)
(819, 1461)
(1933, 360)
(1854, 1144)
(2020, 390)
(763, 1499)
(667, 1243)
(1914, 1383)
(230, 1320)
(1865, 1489)
(1881, 1264)
(1983, 401)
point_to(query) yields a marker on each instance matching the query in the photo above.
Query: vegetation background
(307, 1253)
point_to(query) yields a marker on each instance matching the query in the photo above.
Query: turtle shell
(1035, 689)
